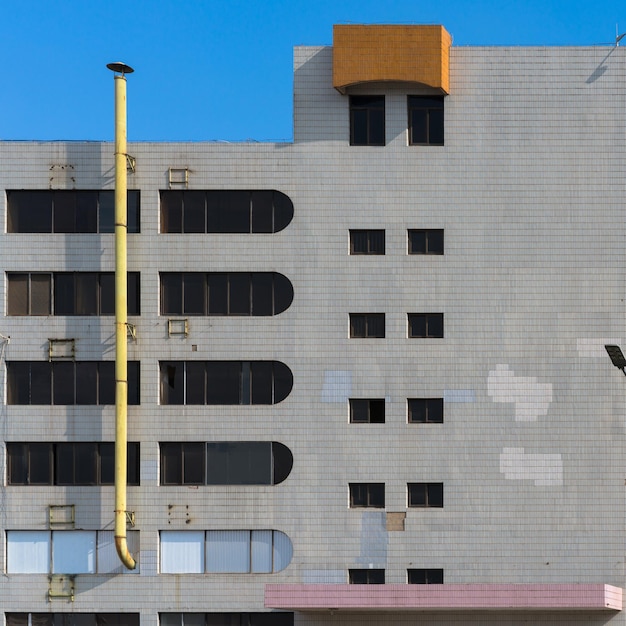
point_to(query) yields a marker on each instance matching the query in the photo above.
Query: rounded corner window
(283, 462)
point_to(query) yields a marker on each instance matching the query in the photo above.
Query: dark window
(90, 463)
(367, 495)
(366, 576)
(225, 293)
(72, 619)
(367, 120)
(67, 382)
(225, 463)
(367, 242)
(272, 618)
(364, 325)
(71, 293)
(425, 410)
(425, 120)
(425, 576)
(426, 241)
(224, 382)
(230, 211)
(425, 494)
(425, 325)
(366, 411)
(67, 211)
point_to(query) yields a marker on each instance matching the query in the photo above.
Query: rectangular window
(367, 325)
(425, 325)
(68, 463)
(426, 241)
(73, 619)
(367, 120)
(67, 382)
(367, 411)
(366, 576)
(271, 618)
(367, 242)
(425, 495)
(367, 495)
(182, 463)
(68, 293)
(425, 120)
(67, 211)
(425, 576)
(425, 410)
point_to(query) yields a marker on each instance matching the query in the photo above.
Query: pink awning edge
(586, 597)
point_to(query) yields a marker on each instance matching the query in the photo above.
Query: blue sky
(222, 70)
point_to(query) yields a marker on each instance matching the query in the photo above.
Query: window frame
(370, 106)
(368, 235)
(434, 406)
(371, 323)
(366, 576)
(433, 241)
(431, 575)
(370, 408)
(433, 106)
(367, 495)
(428, 495)
(433, 323)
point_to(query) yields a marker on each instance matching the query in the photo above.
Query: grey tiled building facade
(373, 355)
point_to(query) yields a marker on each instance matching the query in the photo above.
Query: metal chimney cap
(120, 67)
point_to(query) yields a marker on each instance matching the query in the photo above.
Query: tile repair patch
(544, 469)
(531, 398)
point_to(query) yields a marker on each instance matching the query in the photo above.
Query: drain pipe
(121, 315)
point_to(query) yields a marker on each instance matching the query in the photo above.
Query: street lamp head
(120, 68)
(617, 356)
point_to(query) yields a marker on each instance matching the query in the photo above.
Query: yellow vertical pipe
(121, 313)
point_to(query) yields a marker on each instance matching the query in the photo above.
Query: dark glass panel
(106, 382)
(283, 211)
(171, 293)
(107, 463)
(377, 411)
(194, 212)
(87, 383)
(283, 381)
(133, 294)
(262, 382)
(228, 211)
(435, 325)
(193, 463)
(30, 211)
(239, 463)
(435, 241)
(283, 293)
(417, 325)
(64, 211)
(63, 387)
(262, 212)
(87, 287)
(17, 619)
(239, 293)
(359, 136)
(40, 464)
(270, 619)
(358, 494)
(218, 294)
(435, 494)
(435, 127)
(172, 382)
(18, 294)
(132, 463)
(425, 576)
(134, 380)
(262, 293)
(194, 293)
(107, 294)
(117, 619)
(417, 494)
(171, 211)
(40, 294)
(171, 464)
(223, 382)
(86, 212)
(357, 325)
(64, 464)
(419, 126)
(357, 576)
(18, 463)
(18, 383)
(195, 382)
(132, 211)
(283, 462)
(41, 619)
(376, 127)
(359, 242)
(86, 463)
(106, 214)
(40, 383)
(64, 293)
(417, 242)
(375, 325)
(376, 242)
(377, 495)
(359, 411)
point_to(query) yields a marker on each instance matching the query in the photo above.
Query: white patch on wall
(459, 395)
(594, 348)
(531, 398)
(324, 576)
(337, 386)
(546, 470)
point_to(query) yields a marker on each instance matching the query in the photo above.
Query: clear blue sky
(222, 69)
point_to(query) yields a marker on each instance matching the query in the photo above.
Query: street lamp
(617, 357)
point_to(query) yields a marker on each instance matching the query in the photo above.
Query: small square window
(367, 325)
(366, 411)
(425, 576)
(367, 495)
(425, 120)
(427, 495)
(425, 325)
(426, 241)
(366, 576)
(367, 242)
(367, 120)
(425, 410)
